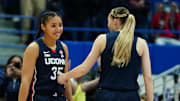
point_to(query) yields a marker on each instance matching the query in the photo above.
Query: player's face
(110, 23)
(53, 27)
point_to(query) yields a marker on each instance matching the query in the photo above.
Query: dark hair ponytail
(44, 16)
(39, 30)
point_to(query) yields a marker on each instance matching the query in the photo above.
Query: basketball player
(43, 60)
(122, 55)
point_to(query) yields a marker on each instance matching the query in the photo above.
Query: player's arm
(29, 60)
(68, 90)
(91, 59)
(146, 70)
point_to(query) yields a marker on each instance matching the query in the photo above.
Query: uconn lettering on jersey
(48, 60)
(57, 61)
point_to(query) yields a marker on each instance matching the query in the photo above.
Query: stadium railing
(168, 92)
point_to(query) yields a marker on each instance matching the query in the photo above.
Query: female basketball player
(43, 60)
(122, 55)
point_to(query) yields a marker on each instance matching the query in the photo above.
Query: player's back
(113, 77)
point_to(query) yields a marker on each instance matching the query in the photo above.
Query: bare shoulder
(141, 45)
(65, 49)
(64, 46)
(32, 49)
(33, 46)
(101, 37)
(141, 41)
(100, 42)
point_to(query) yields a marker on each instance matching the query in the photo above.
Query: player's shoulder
(141, 41)
(33, 46)
(32, 50)
(63, 45)
(100, 42)
(141, 45)
(65, 48)
(101, 38)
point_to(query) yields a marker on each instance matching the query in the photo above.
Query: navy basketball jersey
(113, 77)
(48, 65)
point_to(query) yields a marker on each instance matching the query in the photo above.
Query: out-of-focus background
(157, 21)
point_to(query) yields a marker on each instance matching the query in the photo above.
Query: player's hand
(61, 78)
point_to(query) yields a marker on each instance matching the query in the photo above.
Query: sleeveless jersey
(113, 77)
(48, 65)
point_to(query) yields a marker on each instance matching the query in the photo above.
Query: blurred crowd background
(157, 21)
(149, 14)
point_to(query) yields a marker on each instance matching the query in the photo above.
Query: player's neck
(49, 42)
(116, 29)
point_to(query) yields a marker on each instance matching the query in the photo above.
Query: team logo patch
(61, 53)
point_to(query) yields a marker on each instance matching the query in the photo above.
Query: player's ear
(43, 27)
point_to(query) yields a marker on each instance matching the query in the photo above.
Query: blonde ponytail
(123, 44)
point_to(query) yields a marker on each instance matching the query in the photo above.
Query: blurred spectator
(98, 19)
(156, 22)
(175, 18)
(92, 13)
(167, 18)
(80, 90)
(78, 93)
(141, 9)
(55, 5)
(86, 86)
(10, 79)
(77, 13)
(12, 6)
(91, 79)
(143, 97)
(30, 8)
